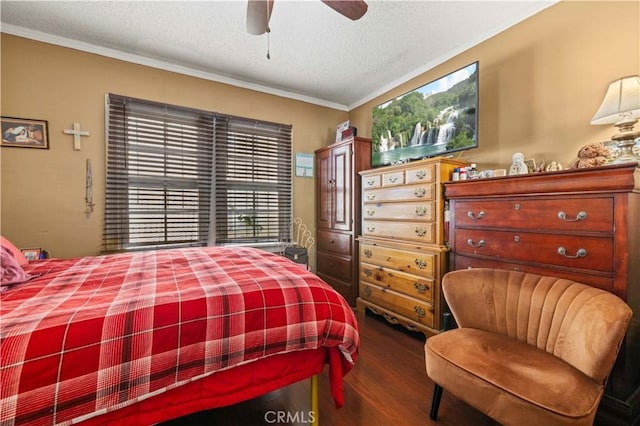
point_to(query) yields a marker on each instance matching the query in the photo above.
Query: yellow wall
(541, 81)
(43, 190)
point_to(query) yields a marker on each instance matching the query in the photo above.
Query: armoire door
(324, 188)
(342, 188)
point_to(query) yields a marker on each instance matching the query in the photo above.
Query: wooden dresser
(338, 212)
(402, 247)
(582, 225)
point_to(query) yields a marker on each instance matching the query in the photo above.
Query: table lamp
(621, 107)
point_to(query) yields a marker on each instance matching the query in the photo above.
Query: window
(161, 174)
(253, 189)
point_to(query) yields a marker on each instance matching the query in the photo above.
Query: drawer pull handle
(420, 312)
(580, 253)
(472, 243)
(331, 241)
(419, 192)
(371, 228)
(393, 178)
(368, 253)
(367, 291)
(392, 320)
(420, 288)
(420, 174)
(474, 217)
(370, 182)
(371, 196)
(421, 231)
(421, 211)
(582, 215)
(371, 211)
(421, 263)
(368, 272)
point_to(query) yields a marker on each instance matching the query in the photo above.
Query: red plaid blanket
(94, 334)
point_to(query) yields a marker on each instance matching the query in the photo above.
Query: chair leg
(435, 402)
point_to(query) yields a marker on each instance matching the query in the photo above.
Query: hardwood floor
(387, 386)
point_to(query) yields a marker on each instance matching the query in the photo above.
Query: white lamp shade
(622, 102)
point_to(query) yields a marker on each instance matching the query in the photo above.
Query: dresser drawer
(371, 181)
(335, 242)
(567, 214)
(334, 266)
(422, 264)
(414, 309)
(403, 193)
(393, 178)
(420, 174)
(411, 285)
(424, 211)
(570, 251)
(414, 231)
(467, 262)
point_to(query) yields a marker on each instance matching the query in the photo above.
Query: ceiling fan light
(258, 16)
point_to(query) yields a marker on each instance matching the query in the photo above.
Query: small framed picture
(341, 127)
(31, 253)
(304, 165)
(531, 164)
(24, 133)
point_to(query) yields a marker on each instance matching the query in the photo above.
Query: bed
(140, 338)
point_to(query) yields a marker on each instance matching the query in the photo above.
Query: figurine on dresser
(553, 166)
(518, 166)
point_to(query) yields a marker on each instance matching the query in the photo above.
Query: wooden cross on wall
(76, 132)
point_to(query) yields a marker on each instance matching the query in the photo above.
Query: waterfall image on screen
(436, 119)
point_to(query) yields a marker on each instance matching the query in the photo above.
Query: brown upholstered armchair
(529, 350)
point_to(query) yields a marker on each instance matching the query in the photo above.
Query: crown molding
(166, 66)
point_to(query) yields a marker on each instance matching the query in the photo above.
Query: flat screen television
(433, 120)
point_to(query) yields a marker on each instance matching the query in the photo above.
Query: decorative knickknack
(304, 240)
(591, 155)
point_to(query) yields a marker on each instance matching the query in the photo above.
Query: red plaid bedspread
(94, 334)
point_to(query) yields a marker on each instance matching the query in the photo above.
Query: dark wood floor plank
(387, 386)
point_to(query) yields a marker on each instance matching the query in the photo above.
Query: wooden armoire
(338, 212)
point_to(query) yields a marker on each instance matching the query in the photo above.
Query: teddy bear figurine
(591, 155)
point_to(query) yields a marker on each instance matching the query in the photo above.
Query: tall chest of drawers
(402, 246)
(582, 225)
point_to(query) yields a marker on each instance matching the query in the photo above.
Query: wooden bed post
(314, 400)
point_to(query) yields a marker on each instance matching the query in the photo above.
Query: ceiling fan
(259, 12)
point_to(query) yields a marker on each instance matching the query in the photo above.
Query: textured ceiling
(316, 54)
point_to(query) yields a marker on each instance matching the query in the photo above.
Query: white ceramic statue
(518, 166)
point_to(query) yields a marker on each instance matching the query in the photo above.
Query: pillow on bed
(11, 272)
(15, 251)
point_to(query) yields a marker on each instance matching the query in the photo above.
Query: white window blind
(253, 185)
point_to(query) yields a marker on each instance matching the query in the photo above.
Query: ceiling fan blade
(258, 15)
(352, 9)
